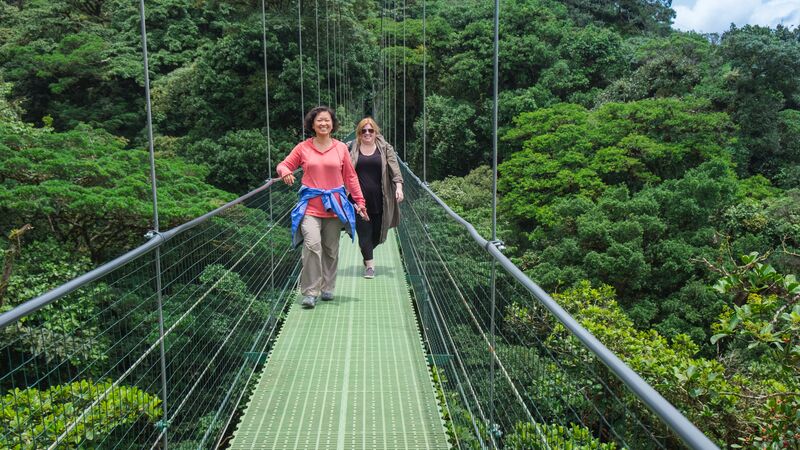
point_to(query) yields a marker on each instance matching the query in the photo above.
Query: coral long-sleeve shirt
(323, 169)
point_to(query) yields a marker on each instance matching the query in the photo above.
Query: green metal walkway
(350, 373)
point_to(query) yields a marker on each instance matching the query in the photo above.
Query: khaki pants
(320, 254)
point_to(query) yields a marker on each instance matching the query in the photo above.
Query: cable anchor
(498, 244)
(151, 234)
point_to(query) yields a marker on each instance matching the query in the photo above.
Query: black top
(369, 171)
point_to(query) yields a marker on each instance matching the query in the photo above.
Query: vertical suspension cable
(328, 52)
(388, 91)
(405, 16)
(340, 57)
(337, 35)
(424, 93)
(385, 69)
(316, 29)
(153, 184)
(269, 140)
(335, 59)
(394, 72)
(492, 333)
(382, 85)
(495, 84)
(300, 42)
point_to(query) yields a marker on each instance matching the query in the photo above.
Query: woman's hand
(362, 211)
(398, 192)
(288, 179)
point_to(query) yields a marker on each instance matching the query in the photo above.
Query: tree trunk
(14, 249)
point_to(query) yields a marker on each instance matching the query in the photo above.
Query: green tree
(445, 155)
(629, 16)
(763, 76)
(567, 150)
(664, 67)
(84, 188)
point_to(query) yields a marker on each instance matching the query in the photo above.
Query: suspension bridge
(198, 341)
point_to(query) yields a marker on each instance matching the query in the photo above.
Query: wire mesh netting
(86, 371)
(540, 387)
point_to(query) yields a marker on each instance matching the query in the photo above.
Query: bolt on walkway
(350, 373)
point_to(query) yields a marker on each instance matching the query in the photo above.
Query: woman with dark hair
(382, 186)
(323, 207)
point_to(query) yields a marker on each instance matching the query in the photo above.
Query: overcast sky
(709, 16)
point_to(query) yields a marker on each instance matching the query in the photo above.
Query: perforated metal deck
(350, 373)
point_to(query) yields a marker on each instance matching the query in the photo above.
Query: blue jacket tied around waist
(345, 212)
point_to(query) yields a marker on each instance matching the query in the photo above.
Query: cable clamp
(498, 244)
(151, 234)
(162, 424)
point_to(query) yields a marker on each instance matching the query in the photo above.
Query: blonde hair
(364, 122)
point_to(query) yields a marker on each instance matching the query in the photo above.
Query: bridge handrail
(157, 240)
(674, 419)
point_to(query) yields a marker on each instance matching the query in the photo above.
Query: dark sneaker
(369, 272)
(309, 301)
(327, 296)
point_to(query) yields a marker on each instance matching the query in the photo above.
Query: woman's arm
(351, 181)
(394, 169)
(290, 164)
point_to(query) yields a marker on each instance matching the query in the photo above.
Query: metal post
(155, 223)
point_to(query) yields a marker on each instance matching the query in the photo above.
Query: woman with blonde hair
(381, 182)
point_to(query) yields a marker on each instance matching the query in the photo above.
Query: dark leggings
(369, 234)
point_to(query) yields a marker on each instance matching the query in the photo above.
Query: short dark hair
(309, 120)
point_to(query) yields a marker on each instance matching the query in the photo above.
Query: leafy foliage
(761, 324)
(32, 418)
(568, 150)
(84, 188)
(61, 331)
(695, 385)
(534, 435)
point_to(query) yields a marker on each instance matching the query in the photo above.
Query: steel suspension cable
(335, 59)
(394, 74)
(155, 210)
(300, 42)
(383, 63)
(492, 326)
(424, 92)
(328, 52)
(266, 116)
(405, 106)
(316, 44)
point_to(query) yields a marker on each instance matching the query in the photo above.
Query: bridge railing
(533, 377)
(158, 346)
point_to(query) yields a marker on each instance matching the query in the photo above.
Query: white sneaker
(309, 301)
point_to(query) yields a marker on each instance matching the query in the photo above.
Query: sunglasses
(367, 130)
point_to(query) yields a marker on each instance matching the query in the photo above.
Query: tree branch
(14, 250)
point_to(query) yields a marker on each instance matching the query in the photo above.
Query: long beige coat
(390, 174)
